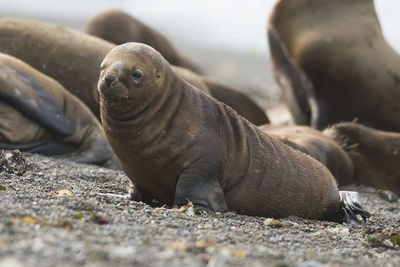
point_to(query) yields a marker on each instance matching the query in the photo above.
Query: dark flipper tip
(350, 207)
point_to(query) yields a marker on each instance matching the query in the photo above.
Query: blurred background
(227, 38)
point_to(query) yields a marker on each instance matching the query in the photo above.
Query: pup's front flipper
(137, 195)
(350, 207)
(201, 190)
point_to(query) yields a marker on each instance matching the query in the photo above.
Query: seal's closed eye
(137, 76)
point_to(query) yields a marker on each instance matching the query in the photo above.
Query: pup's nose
(109, 79)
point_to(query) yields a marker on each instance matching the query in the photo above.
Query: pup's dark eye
(102, 66)
(137, 76)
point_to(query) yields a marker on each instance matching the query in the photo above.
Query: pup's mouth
(113, 92)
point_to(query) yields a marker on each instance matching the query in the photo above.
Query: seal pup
(375, 154)
(177, 144)
(39, 116)
(119, 27)
(333, 63)
(317, 145)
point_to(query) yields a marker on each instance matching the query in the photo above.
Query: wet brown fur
(241, 103)
(318, 146)
(193, 78)
(165, 131)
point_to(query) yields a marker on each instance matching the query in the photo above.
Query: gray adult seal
(333, 63)
(176, 144)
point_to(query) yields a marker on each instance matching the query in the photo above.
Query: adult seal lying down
(39, 116)
(177, 144)
(68, 56)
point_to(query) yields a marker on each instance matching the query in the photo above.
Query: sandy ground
(59, 213)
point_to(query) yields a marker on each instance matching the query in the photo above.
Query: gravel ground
(59, 213)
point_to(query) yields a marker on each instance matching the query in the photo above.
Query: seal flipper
(97, 152)
(201, 191)
(46, 147)
(42, 108)
(296, 86)
(136, 195)
(199, 185)
(140, 196)
(350, 207)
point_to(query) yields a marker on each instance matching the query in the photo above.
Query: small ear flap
(158, 74)
(95, 94)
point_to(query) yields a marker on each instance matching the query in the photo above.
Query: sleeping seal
(39, 116)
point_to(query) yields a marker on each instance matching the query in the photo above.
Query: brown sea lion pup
(70, 57)
(241, 103)
(375, 154)
(119, 27)
(177, 144)
(318, 146)
(39, 116)
(334, 64)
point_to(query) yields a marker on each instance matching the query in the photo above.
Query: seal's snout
(109, 79)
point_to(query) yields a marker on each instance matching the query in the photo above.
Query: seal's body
(375, 154)
(240, 102)
(333, 63)
(177, 145)
(38, 115)
(318, 146)
(68, 56)
(119, 27)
